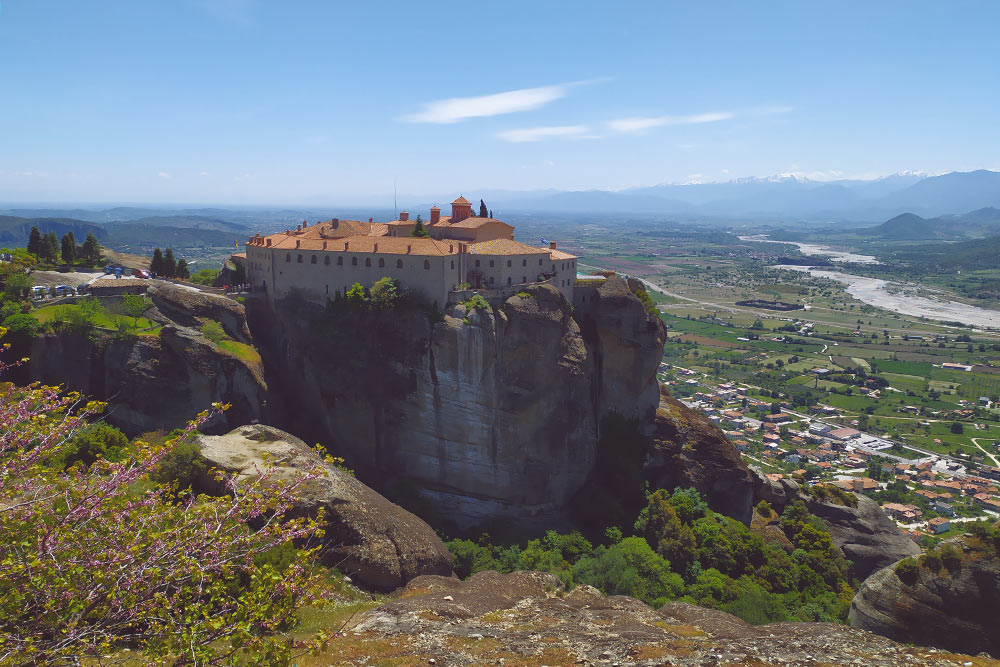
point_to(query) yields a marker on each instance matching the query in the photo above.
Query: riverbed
(817, 250)
(874, 292)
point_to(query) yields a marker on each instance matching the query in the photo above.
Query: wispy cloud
(455, 109)
(641, 124)
(237, 13)
(540, 133)
(165, 176)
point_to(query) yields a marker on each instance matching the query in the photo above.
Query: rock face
(959, 611)
(479, 415)
(153, 382)
(689, 450)
(864, 534)
(377, 543)
(185, 306)
(527, 618)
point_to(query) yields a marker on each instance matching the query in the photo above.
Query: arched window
(368, 261)
(508, 263)
(508, 280)
(524, 262)
(399, 263)
(540, 262)
(326, 260)
(453, 264)
(300, 258)
(340, 261)
(381, 262)
(288, 256)
(427, 263)
(491, 263)
(354, 262)
(313, 260)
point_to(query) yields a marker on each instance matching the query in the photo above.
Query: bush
(204, 277)
(647, 302)
(183, 465)
(907, 571)
(385, 292)
(764, 509)
(97, 440)
(214, 331)
(475, 302)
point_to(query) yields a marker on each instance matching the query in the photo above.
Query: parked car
(139, 273)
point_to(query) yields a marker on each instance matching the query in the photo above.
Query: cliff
(484, 414)
(161, 381)
(528, 618)
(954, 604)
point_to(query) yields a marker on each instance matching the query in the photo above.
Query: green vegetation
(419, 230)
(681, 550)
(476, 302)
(647, 302)
(204, 277)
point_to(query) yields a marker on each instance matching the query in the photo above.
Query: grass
(103, 319)
(240, 350)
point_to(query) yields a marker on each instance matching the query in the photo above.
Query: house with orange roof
(463, 252)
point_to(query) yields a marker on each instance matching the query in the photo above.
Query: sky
(310, 101)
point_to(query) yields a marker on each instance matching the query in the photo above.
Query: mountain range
(911, 227)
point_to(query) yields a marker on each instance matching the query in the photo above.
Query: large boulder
(188, 306)
(864, 534)
(958, 610)
(528, 618)
(379, 544)
(690, 451)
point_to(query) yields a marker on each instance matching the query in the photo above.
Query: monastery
(463, 252)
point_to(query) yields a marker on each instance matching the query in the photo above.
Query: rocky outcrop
(958, 610)
(527, 618)
(152, 382)
(377, 543)
(186, 307)
(865, 535)
(480, 415)
(689, 450)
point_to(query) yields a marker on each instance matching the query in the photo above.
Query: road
(992, 457)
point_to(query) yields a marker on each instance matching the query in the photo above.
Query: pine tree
(68, 248)
(169, 264)
(156, 265)
(50, 247)
(182, 269)
(91, 250)
(35, 242)
(419, 230)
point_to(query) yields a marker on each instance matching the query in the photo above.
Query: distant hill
(971, 255)
(911, 227)
(14, 230)
(140, 238)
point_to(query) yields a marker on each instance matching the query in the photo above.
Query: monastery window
(508, 263)
(300, 258)
(326, 260)
(553, 268)
(491, 263)
(508, 280)
(524, 262)
(313, 260)
(524, 279)
(427, 263)
(540, 262)
(288, 256)
(491, 280)
(340, 261)
(399, 263)
(368, 261)
(453, 264)
(381, 262)
(477, 263)
(354, 261)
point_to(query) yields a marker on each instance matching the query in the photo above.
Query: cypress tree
(169, 264)
(91, 250)
(482, 209)
(35, 242)
(182, 269)
(156, 266)
(50, 247)
(419, 230)
(68, 248)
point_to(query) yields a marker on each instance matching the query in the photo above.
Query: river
(873, 292)
(816, 250)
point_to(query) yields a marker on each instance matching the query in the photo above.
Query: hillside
(966, 255)
(911, 227)
(139, 237)
(14, 230)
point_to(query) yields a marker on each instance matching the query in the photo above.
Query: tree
(156, 265)
(182, 269)
(134, 306)
(90, 566)
(483, 213)
(35, 242)
(956, 428)
(169, 264)
(68, 248)
(419, 230)
(91, 251)
(50, 248)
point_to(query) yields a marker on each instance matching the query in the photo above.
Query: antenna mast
(395, 208)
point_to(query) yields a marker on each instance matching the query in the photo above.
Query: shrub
(214, 331)
(647, 302)
(385, 292)
(931, 561)
(182, 465)
(763, 509)
(475, 302)
(97, 440)
(907, 571)
(951, 557)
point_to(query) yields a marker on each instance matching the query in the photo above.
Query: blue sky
(302, 102)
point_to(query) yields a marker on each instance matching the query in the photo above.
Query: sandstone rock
(185, 307)
(370, 539)
(958, 611)
(865, 535)
(153, 382)
(689, 450)
(528, 618)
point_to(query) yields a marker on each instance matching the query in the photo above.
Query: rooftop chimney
(460, 210)
(435, 215)
(370, 219)
(552, 245)
(345, 245)
(305, 223)
(324, 245)
(376, 248)
(269, 243)
(404, 216)
(408, 248)
(298, 242)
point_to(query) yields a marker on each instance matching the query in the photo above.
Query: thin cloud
(165, 176)
(640, 124)
(540, 133)
(457, 109)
